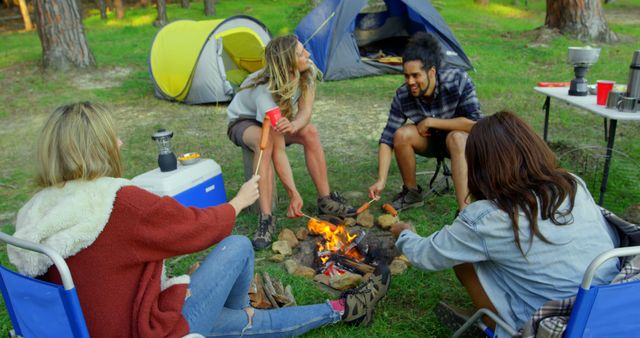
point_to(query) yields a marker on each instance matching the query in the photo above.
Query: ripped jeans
(219, 297)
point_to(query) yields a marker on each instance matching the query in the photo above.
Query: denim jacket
(518, 285)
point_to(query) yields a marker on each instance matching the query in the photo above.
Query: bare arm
(303, 117)
(384, 162)
(457, 123)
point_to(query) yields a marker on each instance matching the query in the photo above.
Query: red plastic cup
(275, 115)
(603, 88)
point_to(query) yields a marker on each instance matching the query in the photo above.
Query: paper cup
(274, 115)
(602, 91)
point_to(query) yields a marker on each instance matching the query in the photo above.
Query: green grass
(499, 39)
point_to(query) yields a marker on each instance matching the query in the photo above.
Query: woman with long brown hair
(287, 82)
(530, 232)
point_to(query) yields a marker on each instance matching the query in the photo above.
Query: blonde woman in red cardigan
(115, 238)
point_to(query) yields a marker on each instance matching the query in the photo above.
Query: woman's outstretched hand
(397, 228)
(247, 195)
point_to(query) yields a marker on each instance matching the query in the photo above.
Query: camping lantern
(167, 160)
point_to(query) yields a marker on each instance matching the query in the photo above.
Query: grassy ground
(509, 55)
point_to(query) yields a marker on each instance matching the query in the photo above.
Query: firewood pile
(267, 292)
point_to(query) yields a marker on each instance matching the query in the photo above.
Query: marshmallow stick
(264, 139)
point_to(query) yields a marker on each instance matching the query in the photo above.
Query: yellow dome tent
(203, 61)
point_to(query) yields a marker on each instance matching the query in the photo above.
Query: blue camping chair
(599, 310)
(37, 308)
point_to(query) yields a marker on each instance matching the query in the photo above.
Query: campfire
(341, 254)
(339, 251)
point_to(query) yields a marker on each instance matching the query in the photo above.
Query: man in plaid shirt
(443, 107)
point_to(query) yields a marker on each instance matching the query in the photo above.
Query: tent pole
(319, 28)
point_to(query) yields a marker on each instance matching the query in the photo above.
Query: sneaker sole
(260, 245)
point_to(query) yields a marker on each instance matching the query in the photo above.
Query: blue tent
(354, 38)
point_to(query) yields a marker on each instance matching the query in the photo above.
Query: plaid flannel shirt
(454, 96)
(551, 319)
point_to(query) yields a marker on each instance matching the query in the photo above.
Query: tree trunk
(580, 19)
(162, 19)
(64, 45)
(119, 8)
(24, 10)
(481, 2)
(185, 4)
(102, 6)
(79, 5)
(209, 7)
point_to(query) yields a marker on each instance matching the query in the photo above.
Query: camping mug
(627, 104)
(612, 99)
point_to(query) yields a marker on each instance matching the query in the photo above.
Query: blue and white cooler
(196, 185)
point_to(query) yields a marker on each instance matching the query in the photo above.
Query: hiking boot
(334, 204)
(361, 301)
(264, 233)
(409, 198)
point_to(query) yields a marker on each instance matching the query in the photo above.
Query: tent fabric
(331, 35)
(189, 60)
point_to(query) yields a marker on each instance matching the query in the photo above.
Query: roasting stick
(309, 217)
(333, 226)
(365, 206)
(264, 139)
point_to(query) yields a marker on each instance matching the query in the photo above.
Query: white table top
(587, 102)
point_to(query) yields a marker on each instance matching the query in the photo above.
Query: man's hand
(284, 126)
(376, 189)
(423, 127)
(397, 228)
(295, 207)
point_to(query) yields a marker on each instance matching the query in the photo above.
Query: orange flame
(336, 239)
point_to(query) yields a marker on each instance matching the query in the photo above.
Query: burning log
(362, 268)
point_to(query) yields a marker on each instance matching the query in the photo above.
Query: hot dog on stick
(264, 139)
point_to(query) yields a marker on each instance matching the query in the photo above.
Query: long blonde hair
(281, 73)
(78, 141)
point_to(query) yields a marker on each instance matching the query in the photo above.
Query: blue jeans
(219, 297)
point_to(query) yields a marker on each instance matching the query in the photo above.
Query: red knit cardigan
(118, 276)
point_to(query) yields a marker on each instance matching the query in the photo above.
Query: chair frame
(78, 326)
(575, 326)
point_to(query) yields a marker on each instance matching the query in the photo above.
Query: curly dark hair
(424, 47)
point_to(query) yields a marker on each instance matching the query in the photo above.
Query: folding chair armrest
(603, 257)
(477, 317)
(59, 262)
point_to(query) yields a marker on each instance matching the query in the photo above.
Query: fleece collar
(67, 218)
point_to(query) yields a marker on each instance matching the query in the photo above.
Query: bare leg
(467, 276)
(309, 138)
(456, 143)
(406, 143)
(251, 138)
